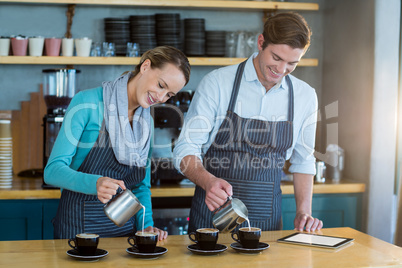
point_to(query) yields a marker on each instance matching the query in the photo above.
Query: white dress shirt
(211, 100)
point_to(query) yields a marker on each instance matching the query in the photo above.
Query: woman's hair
(288, 28)
(159, 56)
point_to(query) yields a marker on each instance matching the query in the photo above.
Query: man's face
(275, 62)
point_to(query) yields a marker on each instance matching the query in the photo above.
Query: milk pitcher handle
(224, 205)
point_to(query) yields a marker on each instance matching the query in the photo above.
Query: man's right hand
(216, 192)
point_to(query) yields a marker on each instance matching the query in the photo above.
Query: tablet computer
(315, 240)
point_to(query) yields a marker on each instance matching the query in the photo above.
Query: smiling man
(244, 122)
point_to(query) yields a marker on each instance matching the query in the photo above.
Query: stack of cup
(6, 176)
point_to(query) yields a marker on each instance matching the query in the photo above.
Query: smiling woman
(105, 144)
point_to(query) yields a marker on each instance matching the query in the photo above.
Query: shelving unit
(182, 3)
(124, 61)
(265, 6)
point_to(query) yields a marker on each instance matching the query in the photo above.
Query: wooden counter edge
(179, 191)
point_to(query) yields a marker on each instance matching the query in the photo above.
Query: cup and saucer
(248, 241)
(144, 245)
(195, 248)
(159, 251)
(260, 247)
(85, 247)
(205, 239)
(100, 253)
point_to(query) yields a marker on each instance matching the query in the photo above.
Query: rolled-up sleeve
(302, 159)
(199, 123)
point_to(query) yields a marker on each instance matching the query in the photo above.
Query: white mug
(36, 45)
(83, 46)
(67, 47)
(4, 46)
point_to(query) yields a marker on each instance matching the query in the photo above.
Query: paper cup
(52, 46)
(4, 46)
(36, 46)
(67, 47)
(19, 46)
(83, 46)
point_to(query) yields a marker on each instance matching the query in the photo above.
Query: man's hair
(287, 28)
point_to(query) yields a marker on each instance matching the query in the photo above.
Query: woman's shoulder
(93, 95)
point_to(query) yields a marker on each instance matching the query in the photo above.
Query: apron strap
(291, 102)
(236, 86)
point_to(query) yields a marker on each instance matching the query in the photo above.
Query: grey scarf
(130, 144)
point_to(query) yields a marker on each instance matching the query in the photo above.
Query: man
(244, 122)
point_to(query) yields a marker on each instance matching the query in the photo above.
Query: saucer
(238, 247)
(100, 253)
(159, 251)
(196, 249)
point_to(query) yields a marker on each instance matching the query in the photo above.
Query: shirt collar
(250, 74)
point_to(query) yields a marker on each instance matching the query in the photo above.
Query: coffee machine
(168, 121)
(59, 87)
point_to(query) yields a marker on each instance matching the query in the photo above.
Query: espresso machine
(168, 120)
(59, 87)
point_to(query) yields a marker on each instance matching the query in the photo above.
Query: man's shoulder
(301, 86)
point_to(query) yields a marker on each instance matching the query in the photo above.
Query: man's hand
(305, 221)
(216, 192)
(107, 187)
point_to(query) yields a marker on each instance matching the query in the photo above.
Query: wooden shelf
(264, 5)
(47, 60)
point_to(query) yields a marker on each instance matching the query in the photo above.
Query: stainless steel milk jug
(230, 215)
(121, 208)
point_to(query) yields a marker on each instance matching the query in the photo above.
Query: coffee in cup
(205, 238)
(86, 244)
(248, 237)
(145, 242)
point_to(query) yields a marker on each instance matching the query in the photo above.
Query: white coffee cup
(67, 47)
(36, 45)
(83, 46)
(4, 46)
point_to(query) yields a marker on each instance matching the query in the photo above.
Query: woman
(104, 145)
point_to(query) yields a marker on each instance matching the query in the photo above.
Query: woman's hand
(162, 234)
(107, 187)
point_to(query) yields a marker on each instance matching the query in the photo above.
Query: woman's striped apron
(250, 155)
(78, 212)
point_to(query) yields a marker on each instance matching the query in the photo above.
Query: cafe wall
(16, 81)
(360, 75)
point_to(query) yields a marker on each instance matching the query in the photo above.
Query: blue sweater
(79, 132)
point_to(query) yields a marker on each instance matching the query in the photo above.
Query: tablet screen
(315, 240)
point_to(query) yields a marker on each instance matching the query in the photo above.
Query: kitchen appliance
(320, 171)
(335, 162)
(230, 215)
(168, 120)
(59, 87)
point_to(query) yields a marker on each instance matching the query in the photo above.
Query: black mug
(248, 237)
(205, 238)
(145, 242)
(85, 244)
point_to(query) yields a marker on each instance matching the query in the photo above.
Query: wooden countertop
(365, 251)
(31, 188)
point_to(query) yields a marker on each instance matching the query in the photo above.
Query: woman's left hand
(162, 234)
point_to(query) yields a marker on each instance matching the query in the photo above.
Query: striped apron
(82, 213)
(250, 155)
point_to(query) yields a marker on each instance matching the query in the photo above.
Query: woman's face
(156, 85)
